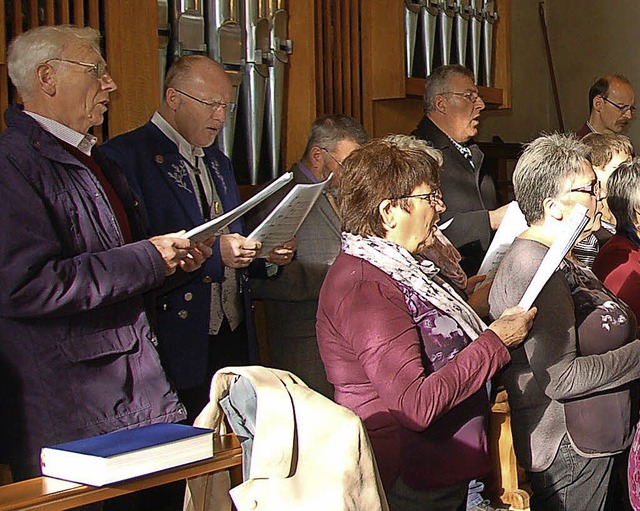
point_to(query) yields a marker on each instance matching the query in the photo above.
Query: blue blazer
(158, 175)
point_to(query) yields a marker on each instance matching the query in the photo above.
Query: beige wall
(593, 38)
(588, 38)
(532, 103)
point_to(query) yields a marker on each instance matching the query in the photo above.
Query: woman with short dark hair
(400, 346)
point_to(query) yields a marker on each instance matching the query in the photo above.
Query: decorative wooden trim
(78, 12)
(94, 14)
(33, 13)
(17, 17)
(50, 12)
(65, 16)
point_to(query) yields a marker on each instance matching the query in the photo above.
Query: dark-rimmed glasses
(433, 198)
(470, 96)
(99, 69)
(623, 108)
(332, 156)
(216, 106)
(592, 189)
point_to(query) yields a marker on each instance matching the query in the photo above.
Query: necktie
(204, 202)
(466, 152)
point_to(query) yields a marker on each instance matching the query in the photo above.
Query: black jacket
(468, 193)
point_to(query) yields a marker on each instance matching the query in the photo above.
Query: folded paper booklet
(213, 227)
(283, 222)
(106, 459)
(554, 256)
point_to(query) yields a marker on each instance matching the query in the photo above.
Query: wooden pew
(49, 494)
(508, 482)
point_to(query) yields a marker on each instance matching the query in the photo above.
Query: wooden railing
(49, 494)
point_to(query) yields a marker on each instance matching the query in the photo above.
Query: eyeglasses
(215, 106)
(434, 198)
(471, 96)
(99, 69)
(332, 156)
(591, 189)
(623, 108)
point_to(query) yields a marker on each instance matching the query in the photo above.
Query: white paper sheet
(513, 223)
(212, 227)
(554, 256)
(286, 218)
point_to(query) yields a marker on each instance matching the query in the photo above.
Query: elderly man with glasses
(204, 321)
(77, 354)
(452, 109)
(291, 299)
(611, 106)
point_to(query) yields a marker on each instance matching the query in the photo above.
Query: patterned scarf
(401, 266)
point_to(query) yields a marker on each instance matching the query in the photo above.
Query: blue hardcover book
(125, 454)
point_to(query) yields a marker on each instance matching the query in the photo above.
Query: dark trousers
(226, 348)
(404, 498)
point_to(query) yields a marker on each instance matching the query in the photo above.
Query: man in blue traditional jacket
(204, 321)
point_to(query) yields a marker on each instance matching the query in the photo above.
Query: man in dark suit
(203, 320)
(611, 106)
(291, 299)
(452, 109)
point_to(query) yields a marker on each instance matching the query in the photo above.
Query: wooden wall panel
(132, 55)
(302, 86)
(338, 50)
(502, 52)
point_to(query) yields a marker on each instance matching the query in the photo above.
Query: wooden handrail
(49, 494)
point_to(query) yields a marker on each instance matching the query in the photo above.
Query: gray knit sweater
(548, 369)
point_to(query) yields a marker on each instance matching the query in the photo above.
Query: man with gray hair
(291, 299)
(77, 354)
(452, 109)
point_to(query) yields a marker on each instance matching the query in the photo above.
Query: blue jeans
(572, 482)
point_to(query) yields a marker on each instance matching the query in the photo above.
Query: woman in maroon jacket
(400, 346)
(618, 266)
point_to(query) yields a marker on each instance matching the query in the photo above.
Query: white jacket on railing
(308, 453)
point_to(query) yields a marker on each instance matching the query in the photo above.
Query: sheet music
(554, 256)
(212, 227)
(446, 224)
(286, 218)
(513, 223)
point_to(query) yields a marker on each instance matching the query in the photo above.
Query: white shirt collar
(83, 142)
(184, 148)
(591, 127)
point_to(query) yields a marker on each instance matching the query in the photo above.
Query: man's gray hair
(328, 130)
(34, 47)
(438, 82)
(542, 170)
(411, 142)
(623, 194)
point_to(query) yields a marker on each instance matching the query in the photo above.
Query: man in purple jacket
(77, 355)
